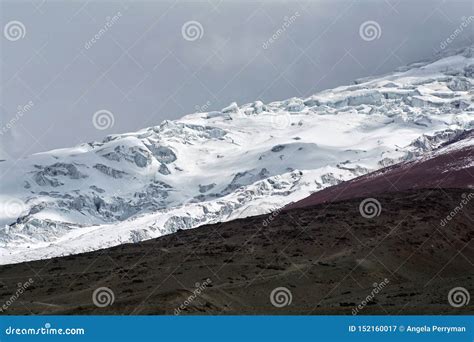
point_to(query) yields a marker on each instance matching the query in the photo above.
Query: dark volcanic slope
(449, 167)
(328, 257)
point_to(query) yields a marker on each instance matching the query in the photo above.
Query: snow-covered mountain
(218, 166)
(448, 167)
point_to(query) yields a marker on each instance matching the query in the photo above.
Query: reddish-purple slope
(449, 167)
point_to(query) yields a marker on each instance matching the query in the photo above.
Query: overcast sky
(146, 67)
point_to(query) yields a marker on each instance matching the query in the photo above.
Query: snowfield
(217, 166)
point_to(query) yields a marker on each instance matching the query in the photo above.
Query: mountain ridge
(450, 167)
(241, 161)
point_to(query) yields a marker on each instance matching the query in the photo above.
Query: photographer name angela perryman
(434, 329)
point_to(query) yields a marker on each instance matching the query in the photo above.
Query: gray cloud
(143, 71)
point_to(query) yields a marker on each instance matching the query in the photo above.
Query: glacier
(221, 165)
